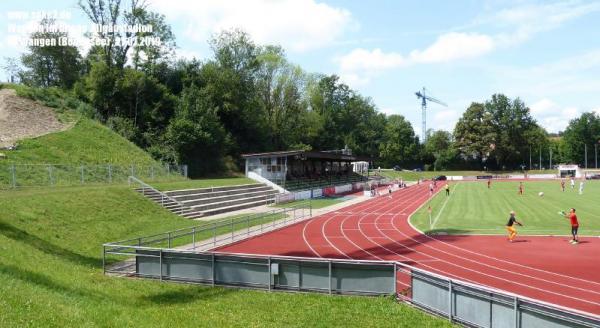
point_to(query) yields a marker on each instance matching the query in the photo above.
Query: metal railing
(37, 175)
(164, 200)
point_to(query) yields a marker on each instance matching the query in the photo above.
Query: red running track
(544, 268)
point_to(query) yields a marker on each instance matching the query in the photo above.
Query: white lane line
(443, 206)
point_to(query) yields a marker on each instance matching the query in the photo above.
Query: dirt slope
(23, 118)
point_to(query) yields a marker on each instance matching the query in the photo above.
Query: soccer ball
(541, 194)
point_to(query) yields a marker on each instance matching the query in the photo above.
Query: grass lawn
(413, 176)
(204, 183)
(51, 274)
(314, 203)
(472, 208)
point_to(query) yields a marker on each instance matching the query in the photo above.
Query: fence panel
(37, 175)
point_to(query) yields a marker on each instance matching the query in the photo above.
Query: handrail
(162, 194)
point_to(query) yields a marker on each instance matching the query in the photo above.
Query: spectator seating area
(294, 183)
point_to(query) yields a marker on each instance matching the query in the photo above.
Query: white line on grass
(442, 209)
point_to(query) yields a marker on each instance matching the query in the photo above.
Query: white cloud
(507, 27)
(552, 116)
(360, 65)
(298, 25)
(454, 46)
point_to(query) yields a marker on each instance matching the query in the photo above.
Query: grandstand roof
(326, 155)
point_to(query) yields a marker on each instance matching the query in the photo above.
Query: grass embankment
(414, 176)
(51, 275)
(87, 153)
(472, 208)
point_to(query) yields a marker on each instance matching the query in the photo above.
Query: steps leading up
(199, 202)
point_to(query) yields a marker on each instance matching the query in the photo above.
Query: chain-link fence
(33, 175)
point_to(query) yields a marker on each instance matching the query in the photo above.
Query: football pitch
(472, 208)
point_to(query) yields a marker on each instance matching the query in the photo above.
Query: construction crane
(424, 99)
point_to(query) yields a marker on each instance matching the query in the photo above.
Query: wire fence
(37, 175)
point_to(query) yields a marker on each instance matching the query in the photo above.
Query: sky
(547, 53)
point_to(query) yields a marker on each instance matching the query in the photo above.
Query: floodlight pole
(585, 148)
(530, 157)
(540, 167)
(596, 154)
(550, 158)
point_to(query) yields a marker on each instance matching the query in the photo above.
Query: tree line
(250, 98)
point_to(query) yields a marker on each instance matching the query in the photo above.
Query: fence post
(395, 287)
(169, 239)
(213, 268)
(450, 307)
(214, 233)
(270, 275)
(132, 171)
(517, 321)
(103, 259)
(161, 264)
(82, 180)
(194, 238)
(329, 262)
(14, 176)
(50, 173)
(152, 172)
(109, 173)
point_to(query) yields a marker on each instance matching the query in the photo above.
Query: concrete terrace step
(232, 208)
(203, 195)
(224, 198)
(212, 189)
(256, 199)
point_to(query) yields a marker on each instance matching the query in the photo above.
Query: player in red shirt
(521, 188)
(574, 225)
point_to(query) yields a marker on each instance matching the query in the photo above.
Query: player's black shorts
(574, 230)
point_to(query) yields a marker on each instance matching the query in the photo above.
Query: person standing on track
(431, 189)
(574, 225)
(390, 191)
(521, 188)
(447, 187)
(562, 185)
(510, 226)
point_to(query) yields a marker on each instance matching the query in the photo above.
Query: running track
(544, 268)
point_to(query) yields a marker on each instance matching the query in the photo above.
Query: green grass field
(472, 208)
(51, 273)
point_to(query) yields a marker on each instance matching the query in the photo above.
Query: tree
(498, 134)
(474, 135)
(439, 146)
(48, 65)
(400, 145)
(104, 13)
(581, 132)
(195, 135)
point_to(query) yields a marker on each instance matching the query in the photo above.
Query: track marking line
(443, 206)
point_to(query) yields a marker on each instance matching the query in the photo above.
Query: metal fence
(33, 175)
(161, 257)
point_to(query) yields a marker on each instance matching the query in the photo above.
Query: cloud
(506, 27)
(360, 65)
(454, 46)
(298, 25)
(552, 116)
